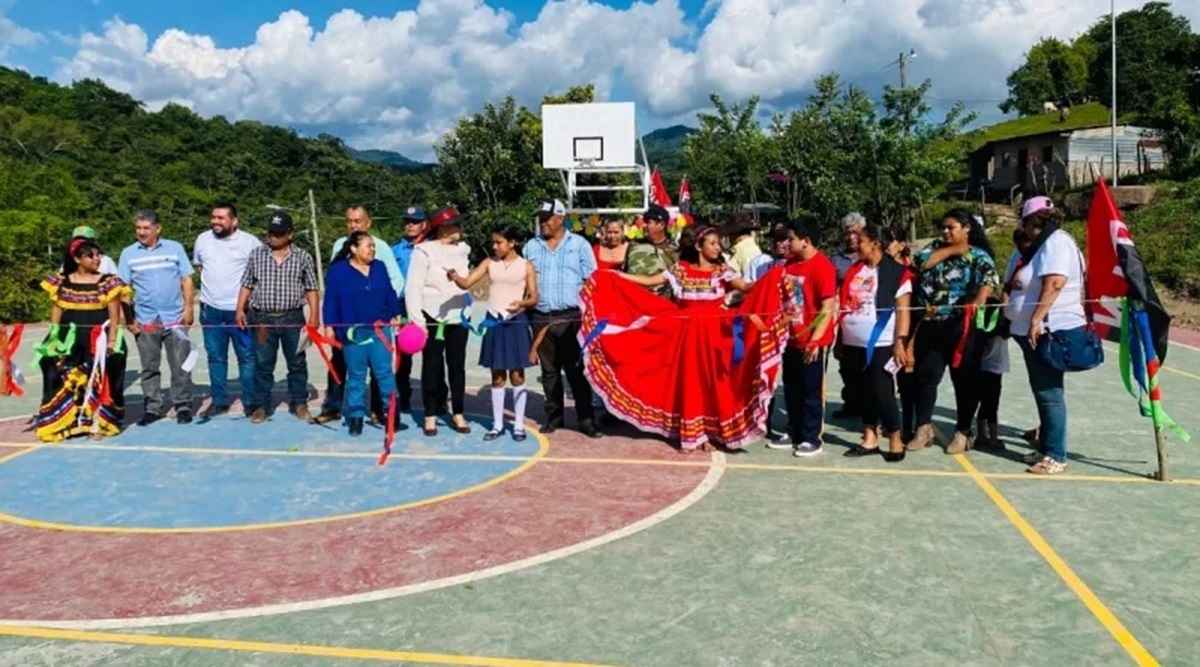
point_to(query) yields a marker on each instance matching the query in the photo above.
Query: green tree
(1053, 71)
(1156, 51)
(729, 158)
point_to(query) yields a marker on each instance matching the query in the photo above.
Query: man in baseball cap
(416, 224)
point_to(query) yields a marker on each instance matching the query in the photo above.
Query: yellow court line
(25, 450)
(1124, 637)
(310, 650)
(529, 462)
(1179, 372)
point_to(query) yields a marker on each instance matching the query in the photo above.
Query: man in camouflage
(658, 252)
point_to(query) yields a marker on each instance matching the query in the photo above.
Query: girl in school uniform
(507, 339)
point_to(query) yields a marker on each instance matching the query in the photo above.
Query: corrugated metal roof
(1095, 144)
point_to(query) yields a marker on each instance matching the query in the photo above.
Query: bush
(30, 248)
(1167, 234)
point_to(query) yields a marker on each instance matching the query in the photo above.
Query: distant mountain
(664, 149)
(389, 158)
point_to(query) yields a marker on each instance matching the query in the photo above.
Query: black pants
(990, 385)
(559, 354)
(444, 360)
(403, 382)
(853, 385)
(804, 395)
(935, 344)
(879, 406)
(907, 383)
(335, 391)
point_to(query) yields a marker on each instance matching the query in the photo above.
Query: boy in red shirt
(814, 283)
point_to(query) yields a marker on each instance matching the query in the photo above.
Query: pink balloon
(411, 339)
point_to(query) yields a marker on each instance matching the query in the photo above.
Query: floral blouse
(953, 282)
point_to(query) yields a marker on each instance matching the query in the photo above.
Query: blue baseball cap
(414, 214)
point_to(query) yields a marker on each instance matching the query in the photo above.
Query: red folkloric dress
(691, 369)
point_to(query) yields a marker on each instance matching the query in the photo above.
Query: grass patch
(1092, 114)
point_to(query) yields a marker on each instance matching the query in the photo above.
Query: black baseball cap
(281, 223)
(657, 213)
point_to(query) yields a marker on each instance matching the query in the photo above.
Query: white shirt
(1058, 256)
(428, 290)
(222, 262)
(860, 321)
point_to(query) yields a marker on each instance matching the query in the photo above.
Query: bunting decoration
(1139, 368)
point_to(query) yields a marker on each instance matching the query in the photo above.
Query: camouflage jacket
(647, 259)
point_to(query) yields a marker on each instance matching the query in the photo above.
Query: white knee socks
(519, 396)
(498, 409)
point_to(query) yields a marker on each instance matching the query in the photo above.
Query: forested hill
(86, 154)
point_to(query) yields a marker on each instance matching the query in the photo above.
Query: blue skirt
(506, 344)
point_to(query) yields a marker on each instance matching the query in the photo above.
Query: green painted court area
(938, 560)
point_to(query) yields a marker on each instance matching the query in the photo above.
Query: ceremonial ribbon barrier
(321, 342)
(11, 378)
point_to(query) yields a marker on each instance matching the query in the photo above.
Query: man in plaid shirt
(280, 278)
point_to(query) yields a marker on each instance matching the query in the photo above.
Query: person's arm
(741, 284)
(56, 312)
(1052, 286)
(473, 279)
(587, 260)
(391, 304)
(312, 291)
(826, 316)
(114, 322)
(655, 280)
(332, 305)
(186, 284)
(414, 299)
(384, 254)
(942, 254)
(243, 298)
(989, 278)
(531, 290)
(903, 327)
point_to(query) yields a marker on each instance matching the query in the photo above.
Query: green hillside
(1085, 115)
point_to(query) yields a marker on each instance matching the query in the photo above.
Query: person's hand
(514, 307)
(134, 328)
(452, 275)
(811, 354)
(900, 353)
(313, 322)
(1035, 332)
(328, 332)
(188, 319)
(240, 319)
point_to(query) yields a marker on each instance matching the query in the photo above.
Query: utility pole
(312, 211)
(1113, 112)
(903, 62)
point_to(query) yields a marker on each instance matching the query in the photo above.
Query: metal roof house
(1048, 161)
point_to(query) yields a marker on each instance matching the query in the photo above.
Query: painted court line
(711, 479)
(777, 467)
(309, 650)
(1124, 637)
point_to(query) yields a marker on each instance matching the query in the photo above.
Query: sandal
(858, 450)
(519, 436)
(491, 435)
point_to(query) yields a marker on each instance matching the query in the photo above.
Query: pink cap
(1034, 205)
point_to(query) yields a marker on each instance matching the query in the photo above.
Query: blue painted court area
(230, 473)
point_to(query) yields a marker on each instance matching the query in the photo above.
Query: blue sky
(396, 75)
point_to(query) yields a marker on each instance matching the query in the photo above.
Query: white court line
(702, 489)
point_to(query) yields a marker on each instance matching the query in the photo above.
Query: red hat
(444, 216)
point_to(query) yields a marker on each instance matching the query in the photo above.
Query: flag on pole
(1117, 276)
(685, 197)
(658, 190)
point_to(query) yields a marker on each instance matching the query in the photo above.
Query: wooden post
(320, 260)
(1160, 443)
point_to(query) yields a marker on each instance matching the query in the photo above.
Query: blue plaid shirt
(560, 272)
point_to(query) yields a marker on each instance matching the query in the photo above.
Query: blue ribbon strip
(739, 346)
(591, 337)
(881, 321)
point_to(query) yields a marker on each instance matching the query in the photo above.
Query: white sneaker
(805, 449)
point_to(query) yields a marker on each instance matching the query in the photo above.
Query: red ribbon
(961, 347)
(390, 436)
(320, 341)
(384, 338)
(9, 386)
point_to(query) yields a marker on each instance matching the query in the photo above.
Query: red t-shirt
(812, 280)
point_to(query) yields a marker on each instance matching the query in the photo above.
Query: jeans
(804, 395)
(150, 344)
(1048, 394)
(273, 332)
(359, 358)
(218, 330)
(335, 394)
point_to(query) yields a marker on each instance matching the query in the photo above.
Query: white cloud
(400, 81)
(13, 36)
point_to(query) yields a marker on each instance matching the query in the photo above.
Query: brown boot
(923, 438)
(960, 443)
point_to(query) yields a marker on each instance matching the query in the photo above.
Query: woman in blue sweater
(358, 295)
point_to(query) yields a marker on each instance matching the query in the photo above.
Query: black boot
(355, 424)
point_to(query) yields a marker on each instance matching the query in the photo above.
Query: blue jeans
(360, 357)
(218, 335)
(1047, 386)
(275, 333)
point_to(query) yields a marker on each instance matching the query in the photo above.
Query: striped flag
(1117, 276)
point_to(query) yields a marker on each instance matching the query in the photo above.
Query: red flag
(658, 190)
(685, 198)
(1115, 269)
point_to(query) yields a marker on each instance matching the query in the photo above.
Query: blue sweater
(354, 299)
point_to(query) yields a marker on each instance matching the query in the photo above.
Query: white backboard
(602, 134)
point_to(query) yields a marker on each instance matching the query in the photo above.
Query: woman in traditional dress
(693, 370)
(83, 357)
